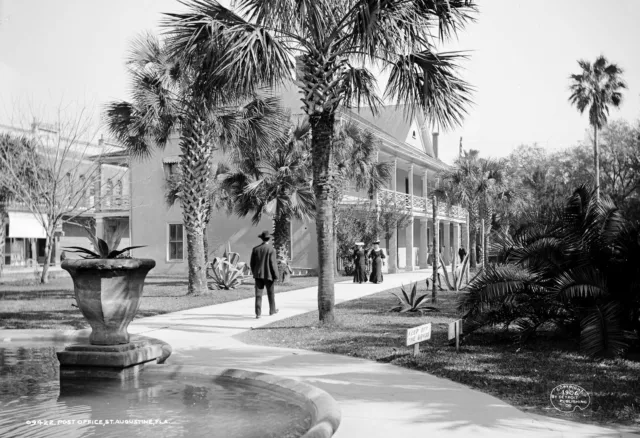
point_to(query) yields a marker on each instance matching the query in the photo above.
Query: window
(176, 242)
(413, 135)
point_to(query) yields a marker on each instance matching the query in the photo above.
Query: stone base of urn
(110, 362)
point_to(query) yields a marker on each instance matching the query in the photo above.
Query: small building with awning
(25, 238)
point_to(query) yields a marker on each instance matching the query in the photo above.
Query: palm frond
(428, 81)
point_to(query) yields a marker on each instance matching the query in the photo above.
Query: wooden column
(393, 241)
(409, 230)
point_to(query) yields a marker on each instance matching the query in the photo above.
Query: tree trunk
(281, 240)
(436, 245)
(596, 161)
(322, 155)
(44, 277)
(482, 242)
(472, 247)
(281, 235)
(195, 166)
(334, 240)
(205, 246)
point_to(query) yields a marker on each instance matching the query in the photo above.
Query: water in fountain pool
(152, 405)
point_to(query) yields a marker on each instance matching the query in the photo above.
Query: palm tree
(217, 198)
(331, 44)
(356, 163)
(478, 185)
(597, 87)
(275, 182)
(177, 95)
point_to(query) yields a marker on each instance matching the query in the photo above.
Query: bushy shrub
(579, 273)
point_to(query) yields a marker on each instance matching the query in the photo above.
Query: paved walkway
(377, 400)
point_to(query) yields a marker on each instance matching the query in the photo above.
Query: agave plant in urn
(108, 288)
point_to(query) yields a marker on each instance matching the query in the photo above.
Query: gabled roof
(390, 118)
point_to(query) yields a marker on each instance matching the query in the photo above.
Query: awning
(173, 159)
(25, 226)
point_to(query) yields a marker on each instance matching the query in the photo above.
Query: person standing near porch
(360, 264)
(462, 253)
(377, 256)
(264, 267)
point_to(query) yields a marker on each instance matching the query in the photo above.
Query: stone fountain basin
(323, 409)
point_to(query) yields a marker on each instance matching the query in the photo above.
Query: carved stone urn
(108, 293)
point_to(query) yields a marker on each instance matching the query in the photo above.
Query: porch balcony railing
(421, 206)
(89, 204)
(114, 203)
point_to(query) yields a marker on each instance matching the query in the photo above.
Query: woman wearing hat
(360, 263)
(377, 256)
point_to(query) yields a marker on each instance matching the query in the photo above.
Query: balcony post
(456, 239)
(446, 244)
(422, 249)
(100, 227)
(393, 241)
(409, 229)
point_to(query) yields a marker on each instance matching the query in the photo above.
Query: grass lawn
(489, 360)
(49, 306)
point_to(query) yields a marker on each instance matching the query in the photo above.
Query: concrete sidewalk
(377, 400)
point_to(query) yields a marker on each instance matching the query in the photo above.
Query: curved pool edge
(324, 410)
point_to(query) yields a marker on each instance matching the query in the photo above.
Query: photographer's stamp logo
(568, 397)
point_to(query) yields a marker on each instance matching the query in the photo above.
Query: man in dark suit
(264, 267)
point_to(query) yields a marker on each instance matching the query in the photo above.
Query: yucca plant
(457, 277)
(227, 271)
(578, 272)
(224, 275)
(412, 302)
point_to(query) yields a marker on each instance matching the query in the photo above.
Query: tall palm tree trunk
(322, 154)
(472, 247)
(196, 165)
(281, 234)
(596, 161)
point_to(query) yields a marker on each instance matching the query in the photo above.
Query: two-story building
(408, 144)
(104, 200)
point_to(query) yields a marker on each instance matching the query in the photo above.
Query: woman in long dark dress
(377, 256)
(360, 264)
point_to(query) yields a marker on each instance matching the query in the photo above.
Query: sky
(72, 52)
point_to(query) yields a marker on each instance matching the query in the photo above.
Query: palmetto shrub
(578, 273)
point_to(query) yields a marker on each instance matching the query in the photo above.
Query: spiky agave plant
(102, 250)
(411, 302)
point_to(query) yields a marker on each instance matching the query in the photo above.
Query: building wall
(151, 218)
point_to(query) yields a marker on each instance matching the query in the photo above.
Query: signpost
(418, 334)
(455, 329)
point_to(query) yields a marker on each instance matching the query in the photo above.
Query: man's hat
(377, 241)
(265, 235)
(359, 243)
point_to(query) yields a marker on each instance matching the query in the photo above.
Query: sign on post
(455, 330)
(418, 334)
